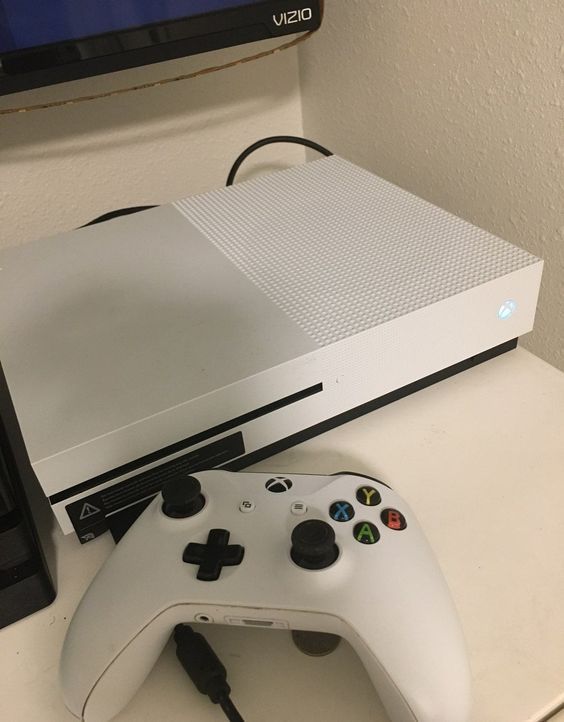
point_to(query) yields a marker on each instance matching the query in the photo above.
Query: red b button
(393, 519)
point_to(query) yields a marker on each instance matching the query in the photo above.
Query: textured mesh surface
(341, 250)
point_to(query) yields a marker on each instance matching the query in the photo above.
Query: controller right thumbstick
(313, 544)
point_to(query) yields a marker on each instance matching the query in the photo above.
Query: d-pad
(215, 554)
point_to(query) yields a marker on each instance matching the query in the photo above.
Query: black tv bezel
(96, 55)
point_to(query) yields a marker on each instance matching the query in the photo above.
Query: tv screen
(50, 41)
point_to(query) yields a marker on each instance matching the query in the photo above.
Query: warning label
(89, 510)
(89, 515)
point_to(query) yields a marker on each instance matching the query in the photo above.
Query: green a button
(366, 533)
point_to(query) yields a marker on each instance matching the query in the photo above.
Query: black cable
(204, 668)
(267, 141)
(231, 712)
(232, 173)
(116, 214)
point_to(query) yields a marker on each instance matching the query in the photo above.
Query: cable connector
(205, 669)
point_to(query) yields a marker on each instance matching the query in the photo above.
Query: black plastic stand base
(25, 582)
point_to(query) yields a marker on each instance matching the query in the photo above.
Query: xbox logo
(506, 310)
(278, 484)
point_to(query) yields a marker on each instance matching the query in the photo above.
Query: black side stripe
(185, 443)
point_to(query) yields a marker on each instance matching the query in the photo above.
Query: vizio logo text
(292, 16)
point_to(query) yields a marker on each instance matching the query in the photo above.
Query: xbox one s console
(338, 554)
(219, 329)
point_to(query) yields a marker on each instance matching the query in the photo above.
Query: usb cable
(204, 668)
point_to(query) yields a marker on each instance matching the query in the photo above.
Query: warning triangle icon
(89, 510)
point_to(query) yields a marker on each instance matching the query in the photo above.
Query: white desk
(480, 459)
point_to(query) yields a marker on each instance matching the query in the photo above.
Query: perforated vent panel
(341, 250)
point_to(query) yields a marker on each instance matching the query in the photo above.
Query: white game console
(217, 330)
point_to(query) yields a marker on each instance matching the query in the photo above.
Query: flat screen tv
(43, 42)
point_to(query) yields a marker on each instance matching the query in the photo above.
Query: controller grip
(418, 677)
(95, 688)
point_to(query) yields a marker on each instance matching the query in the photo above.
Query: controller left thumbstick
(182, 497)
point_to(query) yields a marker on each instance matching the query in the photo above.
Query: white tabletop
(480, 459)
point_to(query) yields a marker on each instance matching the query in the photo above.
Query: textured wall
(62, 167)
(460, 102)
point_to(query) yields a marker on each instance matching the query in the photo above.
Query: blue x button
(341, 511)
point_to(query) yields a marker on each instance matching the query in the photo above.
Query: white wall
(461, 102)
(60, 168)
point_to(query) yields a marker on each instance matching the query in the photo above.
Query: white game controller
(339, 554)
